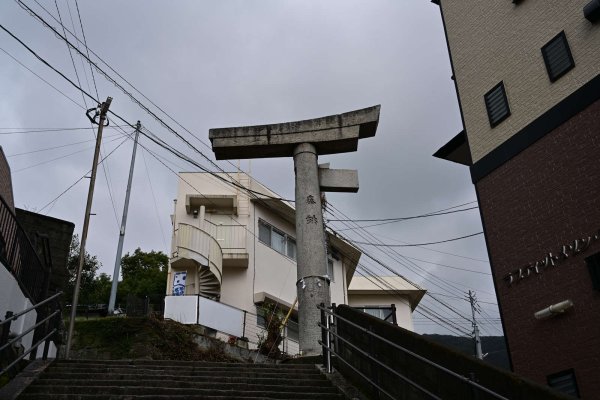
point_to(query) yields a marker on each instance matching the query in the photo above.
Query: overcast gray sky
(216, 64)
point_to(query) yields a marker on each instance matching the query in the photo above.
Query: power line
(104, 165)
(48, 83)
(388, 250)
(162, 231)
(448, 266)
(80, 179)
(55, 159)
(52, 148)
(399, 219)
(86, 47)
(38, 130)
(417, 244)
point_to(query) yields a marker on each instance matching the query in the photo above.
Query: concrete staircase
(140, 379)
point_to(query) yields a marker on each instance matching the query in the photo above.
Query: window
(330, 269)
(260, 317)
(292, 330)
(557, 57)
(277, 240)
(496, 104)
(593, 264)
(381, 312)
(565, 382)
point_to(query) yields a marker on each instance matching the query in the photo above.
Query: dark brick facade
(59, 234)
(5, 181)
(543, 198)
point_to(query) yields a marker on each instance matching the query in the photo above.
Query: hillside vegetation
(141, 338)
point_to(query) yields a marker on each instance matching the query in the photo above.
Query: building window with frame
(330, 269)
(496, 104)
(276, 239)
(557, 57)
(382, 312)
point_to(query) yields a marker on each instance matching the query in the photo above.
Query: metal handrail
(41, 303)
(417, 356)
(364, 353)
(15, 339)
(377, 386)
(22, 356)
(5, 329)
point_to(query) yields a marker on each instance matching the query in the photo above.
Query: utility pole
(86, 222)
(473, 301)
(115, 277)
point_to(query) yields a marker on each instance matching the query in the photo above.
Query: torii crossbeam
(305, 141)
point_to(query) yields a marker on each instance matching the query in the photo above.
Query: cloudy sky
(216, 64)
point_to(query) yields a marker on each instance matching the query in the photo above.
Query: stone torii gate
(305, 141)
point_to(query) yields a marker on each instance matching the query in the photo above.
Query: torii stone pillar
(305, 141)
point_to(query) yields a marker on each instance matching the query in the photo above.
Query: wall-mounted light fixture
(554, 309)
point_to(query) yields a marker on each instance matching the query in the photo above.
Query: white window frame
(287, 238)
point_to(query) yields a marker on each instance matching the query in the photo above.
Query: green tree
(88, 285)
(144, 273)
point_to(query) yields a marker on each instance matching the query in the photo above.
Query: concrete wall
(438, 382)
(59, 233)
(527, 215)
(501, 41)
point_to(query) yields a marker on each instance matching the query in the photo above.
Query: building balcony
(232, 240)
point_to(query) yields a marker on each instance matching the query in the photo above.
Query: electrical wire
(54, 147)
(417, 244)
(399, 219)
(53, 201)
(48, 83)
(162, 231)
(55, 159)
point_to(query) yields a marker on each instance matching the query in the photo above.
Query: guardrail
(46, 327)
(337, 346)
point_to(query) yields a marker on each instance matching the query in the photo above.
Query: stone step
(266, 373)
(276, 386)
(154, 380)
(127, 392)
(44, 396)
(185, 364)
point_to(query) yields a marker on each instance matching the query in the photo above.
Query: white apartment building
(239, 250)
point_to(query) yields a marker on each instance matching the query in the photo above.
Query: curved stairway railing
(203, 250)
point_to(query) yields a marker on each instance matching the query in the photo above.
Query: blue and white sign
(179, 283)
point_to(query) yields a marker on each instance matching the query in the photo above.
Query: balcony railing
(230, 237)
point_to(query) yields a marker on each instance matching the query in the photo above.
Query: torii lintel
(332, 134)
